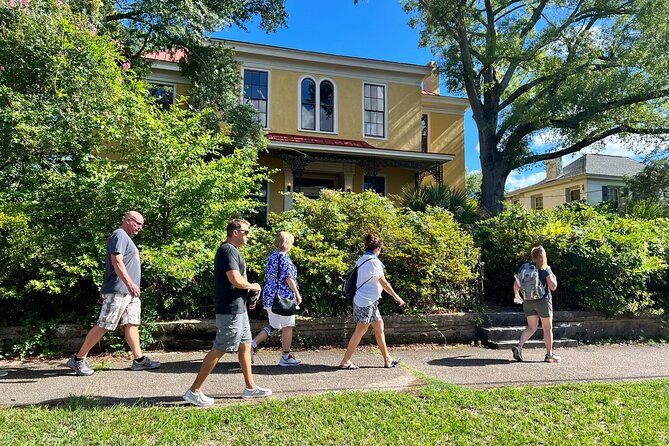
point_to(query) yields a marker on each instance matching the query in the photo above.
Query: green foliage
(580, 71)
(646, 209)
(603, 262)
(456, 201)
(146, 26)
(36, 340)
(473, 185)
(649, 191)
(82, 143)
(430, 261)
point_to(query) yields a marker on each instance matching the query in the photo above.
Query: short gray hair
(284, 240)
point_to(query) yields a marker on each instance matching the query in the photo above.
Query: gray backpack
(530, 284)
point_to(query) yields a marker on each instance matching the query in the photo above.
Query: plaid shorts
(122, 308)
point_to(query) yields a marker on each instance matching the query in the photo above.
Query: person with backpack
(370, 284)
(281, 278)
(532, 286)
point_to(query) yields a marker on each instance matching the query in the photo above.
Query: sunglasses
(141, 224)
(243, 231)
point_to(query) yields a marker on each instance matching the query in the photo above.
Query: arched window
(308, 104)
(327, 107)
(317, 105)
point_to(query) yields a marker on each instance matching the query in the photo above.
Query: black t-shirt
(229, 300)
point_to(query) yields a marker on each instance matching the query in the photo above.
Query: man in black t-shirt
(232, 321)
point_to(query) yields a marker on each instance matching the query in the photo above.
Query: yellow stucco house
(592, 178)
(341, 122)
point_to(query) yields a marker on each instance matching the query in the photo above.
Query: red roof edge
(166, 56)
(317, 140)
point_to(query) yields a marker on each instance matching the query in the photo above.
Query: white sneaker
(198, 399)
(258, 392)
(290, 361)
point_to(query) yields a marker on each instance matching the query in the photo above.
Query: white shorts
(277, 321)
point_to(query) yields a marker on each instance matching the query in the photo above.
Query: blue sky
(377, 29)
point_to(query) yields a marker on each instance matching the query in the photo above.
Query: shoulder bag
(280, 305)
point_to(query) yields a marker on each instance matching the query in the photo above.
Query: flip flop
(349, 366)
(392, 363)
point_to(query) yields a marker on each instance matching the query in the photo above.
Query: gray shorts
(366, 315)
(122, 308)
(540, 307)
(231, 331)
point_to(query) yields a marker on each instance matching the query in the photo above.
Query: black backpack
(349, 287)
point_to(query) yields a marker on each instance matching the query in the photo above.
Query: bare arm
(293, 286)
(122, 273)
(238, 281)
(551, 281)
(389, 289)
(516, 288)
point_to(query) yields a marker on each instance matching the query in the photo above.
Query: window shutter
(567, 195)
(605, 193)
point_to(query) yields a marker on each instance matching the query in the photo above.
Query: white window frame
(617, 189)
(385, 110)
(577, 189)
(534, 198)
(269, 89)
(317, 107)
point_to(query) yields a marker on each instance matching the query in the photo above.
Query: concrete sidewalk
(50, 382)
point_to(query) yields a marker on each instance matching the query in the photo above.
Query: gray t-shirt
(119, 242)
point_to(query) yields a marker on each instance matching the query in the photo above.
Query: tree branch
(123, 16)
(591, 139)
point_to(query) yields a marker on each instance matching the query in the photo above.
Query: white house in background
(593, 178)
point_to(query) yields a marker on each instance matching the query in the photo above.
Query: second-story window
(308, 104)
(423, 133)
(326, 123)
(164, 94)
(375, 110)
(256, 93)
(317, 105)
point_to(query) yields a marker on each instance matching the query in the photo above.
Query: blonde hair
(539, 257)
(284, 241)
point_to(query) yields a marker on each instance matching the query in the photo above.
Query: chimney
(553, 168)
(431, 83)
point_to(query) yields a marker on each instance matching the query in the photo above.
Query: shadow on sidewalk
(468, 361)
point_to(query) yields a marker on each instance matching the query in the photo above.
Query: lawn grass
(632, 413)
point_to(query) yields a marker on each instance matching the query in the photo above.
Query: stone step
(562, 330)
(504, 319)
(532, 343)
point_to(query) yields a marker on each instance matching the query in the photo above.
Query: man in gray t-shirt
(119, 297)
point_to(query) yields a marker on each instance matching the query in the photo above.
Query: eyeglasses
(243, 231)
(141, 224)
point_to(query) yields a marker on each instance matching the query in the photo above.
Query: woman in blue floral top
(280, 264)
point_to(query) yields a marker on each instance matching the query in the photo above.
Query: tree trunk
(492, 189)
(494, 170)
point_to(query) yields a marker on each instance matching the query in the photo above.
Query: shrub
(603, 262)
(429, 259)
